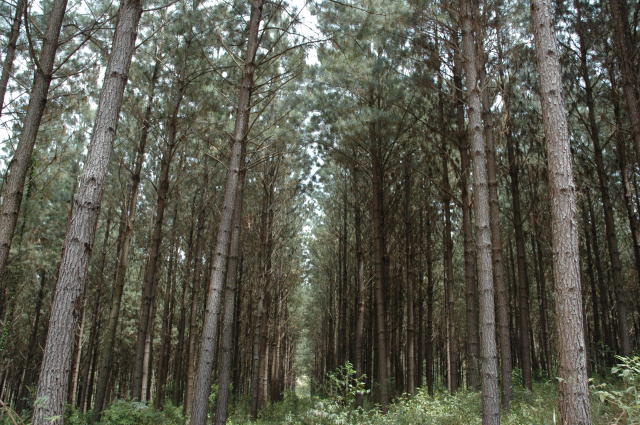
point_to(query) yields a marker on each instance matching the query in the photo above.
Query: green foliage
(344, 385)
(624, 399)
(123, 412)
(134, 413)
(528, 408)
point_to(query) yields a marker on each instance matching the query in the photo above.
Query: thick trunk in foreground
(11, 45)
(488, 352)
(572, 364)
(17, 172)
(81, 232)
(236, 163)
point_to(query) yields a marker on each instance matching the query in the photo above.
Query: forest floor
(613, 402)
(537, 407)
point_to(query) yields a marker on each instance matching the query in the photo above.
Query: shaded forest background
(292, 191)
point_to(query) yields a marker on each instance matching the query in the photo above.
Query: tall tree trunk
(93, 333)
(572, 365)
(624, 48)
(22, 390)
(524, 323)
(232, 280)
(603, 185)
(127, 220)
(223, 239)
(449, 284)
(409, 278)
(147, 308)
(488, 353)
(429, 361)
(17, 172)
(360, 283)
(9, 57)
(167, 319)
(382, 281)
(81, 232)
(595, 303)
(607, 327)
(471, 283)
(502, 289)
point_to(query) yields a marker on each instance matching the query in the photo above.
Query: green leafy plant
(123, 412)
(625, 399)
(344, 385)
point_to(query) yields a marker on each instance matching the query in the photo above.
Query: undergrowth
(615, 402)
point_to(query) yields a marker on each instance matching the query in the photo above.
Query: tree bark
(17, 172)
(127, 221)
(409, 280)
(147, 308)
(52, 384)
(624, 49)
(382, 281)
(603, 185)
(232, 280)
(167, 319)
(488, 353)
(572, 367)
(449, 285)
(524, 323)
(223, 239)
(360, 283)
(9, 57)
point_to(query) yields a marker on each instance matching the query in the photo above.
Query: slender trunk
(624, 47)
(33, 343)
(261, 318)
(502, 294)
(429, 328)
(9, 57)
(232, 280)
(595, 303)
(572, 367)
(381, 283)
(127, 220)
(360, 283)
(524, 323)
(471, 284)
(603, 185)
(77, 355)
(223, 239)
(410, 382)
(178, 360)
(488, 353)
(147, 308)
(167, 319)
(449, 298)
(602, 286)
(52, 384)
(17, 172)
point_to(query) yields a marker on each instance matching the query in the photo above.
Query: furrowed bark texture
(488, 351)
(236, 163)
(54, 373)
(572, 368)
